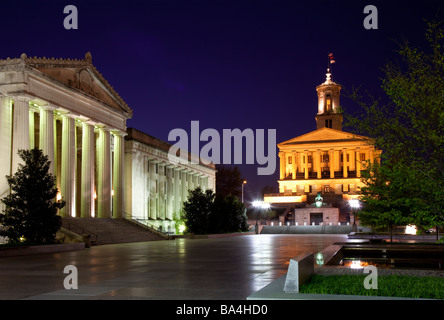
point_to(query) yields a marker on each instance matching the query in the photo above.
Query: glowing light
(356, 264)
(261, 204)
(354, 203)
(95, 195)
(22, 239)
(59, 196)
(410, 229)
(112, 193)
(181, 228)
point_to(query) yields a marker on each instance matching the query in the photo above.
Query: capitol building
(326, 162)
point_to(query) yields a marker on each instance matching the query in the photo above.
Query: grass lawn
(388, 286)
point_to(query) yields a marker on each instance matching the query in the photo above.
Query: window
(328, 103)
(363, 156)
(310, 159)
(289, 160)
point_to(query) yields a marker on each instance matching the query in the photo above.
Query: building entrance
(316, 217)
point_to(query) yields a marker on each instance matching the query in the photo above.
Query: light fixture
(354, 203)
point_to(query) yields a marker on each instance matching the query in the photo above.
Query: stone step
(108, 231)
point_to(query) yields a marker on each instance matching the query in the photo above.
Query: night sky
(227, 64)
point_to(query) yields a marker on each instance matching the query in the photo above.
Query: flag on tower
(332, 59)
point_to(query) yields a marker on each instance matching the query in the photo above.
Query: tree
(228, 181)
(228, 215)
(385, 205)
(407, 124)
(197, 210)
(204, 212)
(31, 207)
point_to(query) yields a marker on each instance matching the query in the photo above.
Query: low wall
(325, 229)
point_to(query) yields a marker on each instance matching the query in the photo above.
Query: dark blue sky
(228, 64)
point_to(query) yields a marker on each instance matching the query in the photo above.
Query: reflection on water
(390, 257)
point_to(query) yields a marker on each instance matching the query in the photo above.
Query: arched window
(328, 103)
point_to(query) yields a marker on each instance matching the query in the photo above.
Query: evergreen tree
(31, 207)
(197, 210)
(204, 212)
(228, 215)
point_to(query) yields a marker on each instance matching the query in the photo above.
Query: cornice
(38, 62)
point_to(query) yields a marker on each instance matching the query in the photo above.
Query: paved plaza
(205, 269)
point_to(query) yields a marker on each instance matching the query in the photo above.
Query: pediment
(83, 76)
(323, 135)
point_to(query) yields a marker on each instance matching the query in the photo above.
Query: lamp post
(354, 205)
(243, 183)
(260, 205)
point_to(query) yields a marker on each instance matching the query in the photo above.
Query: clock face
(86, 81)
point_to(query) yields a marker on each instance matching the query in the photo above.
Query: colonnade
(86, 157)
(294, 162)
(158, 187)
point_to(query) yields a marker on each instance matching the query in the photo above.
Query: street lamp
(243, 183)
(355, 205)
(261, 206)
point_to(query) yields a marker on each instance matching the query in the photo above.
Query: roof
(79, 74)
(140, 136)
(323, 135)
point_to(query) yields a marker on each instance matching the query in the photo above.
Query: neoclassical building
(326, 160)
(67, 108)
(156, 186)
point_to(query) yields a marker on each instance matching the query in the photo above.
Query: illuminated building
(68, 109)
(326, 161)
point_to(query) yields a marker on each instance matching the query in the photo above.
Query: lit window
(328, 103)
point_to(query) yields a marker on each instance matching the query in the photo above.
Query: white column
(306, 164)
(20, 130)
(5, 144)
(68, 184)
(169, 193)
(31, 129)
(88, 170)
(318, 164)
(282, 165)
(46, 134)
(118, 174)
(358, 162)
(294, 157)
(331, 163)
(104, 174)
(344, 163)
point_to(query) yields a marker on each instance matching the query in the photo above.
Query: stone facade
(67, 108)
(158, 187)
